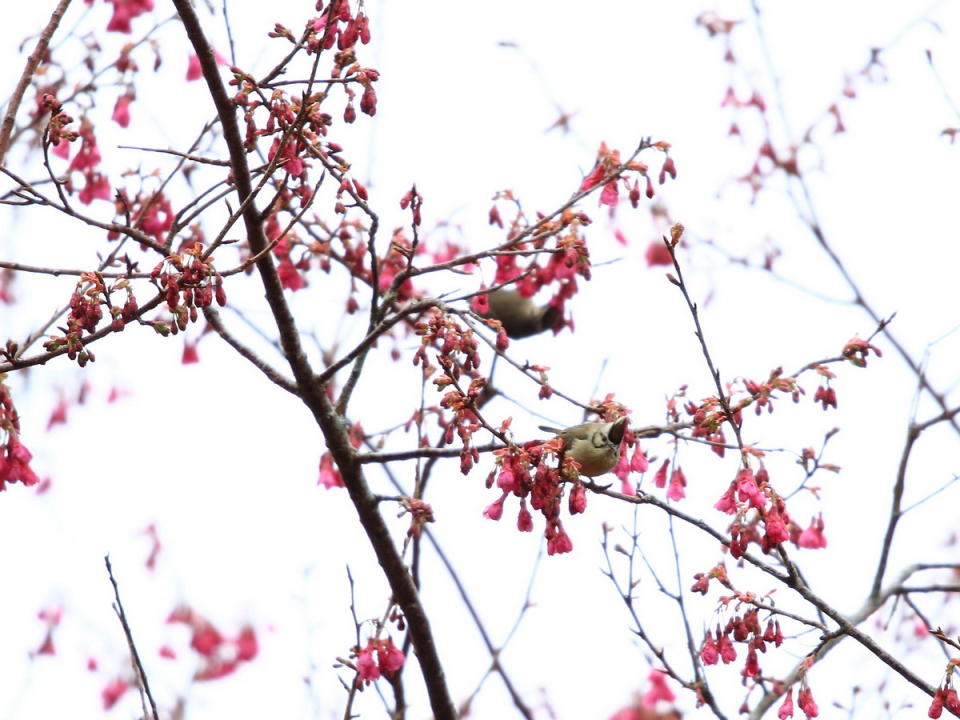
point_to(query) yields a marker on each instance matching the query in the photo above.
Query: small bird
(596, 446)
(519, 315)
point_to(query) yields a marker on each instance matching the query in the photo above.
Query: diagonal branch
(313, 394)
(134, 655)
(6, 129)
(216, 322)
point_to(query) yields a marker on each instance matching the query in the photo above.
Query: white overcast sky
(226, 465)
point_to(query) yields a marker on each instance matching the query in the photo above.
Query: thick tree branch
(313, 394)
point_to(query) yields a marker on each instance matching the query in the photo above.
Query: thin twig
(135, 656)
(273, 375)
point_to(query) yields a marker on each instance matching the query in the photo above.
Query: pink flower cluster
(530, 473)
(14, 456)
(607, 171)
(944, 697)
(86, 161)
(124, 11)
(220, 656)
(745, 629)
(378, 657)
(752, 491)
(15, 463)
(804, 700)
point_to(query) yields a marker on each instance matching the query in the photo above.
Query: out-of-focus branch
(496, 665)
(177, 153)
(896, 511)
(38, 198)
(699, 684)
(811, 218)
(372, 336)
(429, 452)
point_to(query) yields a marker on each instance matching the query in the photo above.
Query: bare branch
(134, 655)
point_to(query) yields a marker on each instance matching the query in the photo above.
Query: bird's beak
(617, 431)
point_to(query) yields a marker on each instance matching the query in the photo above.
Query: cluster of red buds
(858, 350)
(458, 356)
(825, 394)
(762, 394)
(337, 25)
(84, 316)
(750, 491)
(365, 77)
(457, 347)
(708, 418)
(86, 311)
(946, 695)
(57, 131)
(189, 282)
(420, 514)
(463, 406)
